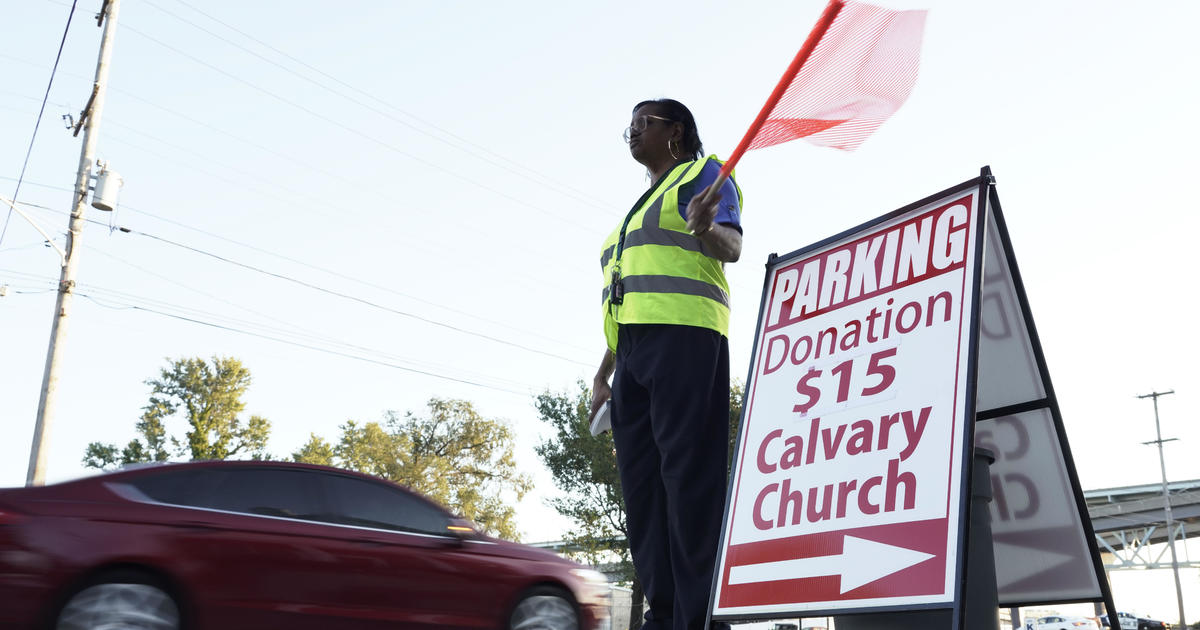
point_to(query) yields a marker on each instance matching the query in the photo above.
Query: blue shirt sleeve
(729, 211)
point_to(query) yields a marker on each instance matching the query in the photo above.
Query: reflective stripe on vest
(673, 284)
(666, 276)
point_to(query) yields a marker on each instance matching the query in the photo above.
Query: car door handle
(198, 525)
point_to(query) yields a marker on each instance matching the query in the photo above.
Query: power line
(315, 208)
(32, 292)
(210, 127)
(291, 203)
(28, 276)
(39, 243)
(292, 159)
(156, 306)
(420, 245)
(303, 345)
(296, 332)
(353, 298)
(206, 294)
(323, 270)
(361, 134)
(28, 98)
(38, 124)
(546, 181)
(318, 208)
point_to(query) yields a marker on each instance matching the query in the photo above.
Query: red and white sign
(848, 476)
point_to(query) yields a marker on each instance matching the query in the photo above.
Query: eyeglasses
(639, 124)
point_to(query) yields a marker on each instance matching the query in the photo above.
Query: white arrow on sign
(861, 562)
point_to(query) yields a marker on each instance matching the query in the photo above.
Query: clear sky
(457, 165)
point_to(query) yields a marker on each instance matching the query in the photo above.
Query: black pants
(670, 424)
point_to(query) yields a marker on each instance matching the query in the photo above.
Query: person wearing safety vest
(666, 321)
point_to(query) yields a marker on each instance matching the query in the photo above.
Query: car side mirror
(462, 529)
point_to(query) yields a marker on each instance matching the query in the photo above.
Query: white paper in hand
(601, 421)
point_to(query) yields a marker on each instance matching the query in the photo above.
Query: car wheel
(120, 603)
(544, 609)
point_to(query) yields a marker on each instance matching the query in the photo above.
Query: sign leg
(982, 606)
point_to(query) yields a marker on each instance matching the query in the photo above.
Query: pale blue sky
(461, 162)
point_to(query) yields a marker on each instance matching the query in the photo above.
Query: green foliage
(209, 397)
(736, 393)
(584, 467)
(316, 451)
(453, 455)
(100, 455)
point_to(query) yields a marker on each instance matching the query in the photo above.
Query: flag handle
(831, 11)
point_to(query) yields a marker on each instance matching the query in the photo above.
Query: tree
(209, 397)
(316, 451)
(454, 456)
(584, 467)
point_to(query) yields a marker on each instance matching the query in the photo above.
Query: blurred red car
(270, 546)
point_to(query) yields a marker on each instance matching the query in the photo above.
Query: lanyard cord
(638, 206)
(616, 293)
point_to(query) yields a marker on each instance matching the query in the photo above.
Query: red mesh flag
(856, 69)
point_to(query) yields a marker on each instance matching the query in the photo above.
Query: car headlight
(591, 576)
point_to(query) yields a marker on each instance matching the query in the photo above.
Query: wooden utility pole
(1162, 462)
(90, 121)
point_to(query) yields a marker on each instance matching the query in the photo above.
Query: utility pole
(90, 119)
(1162, 462)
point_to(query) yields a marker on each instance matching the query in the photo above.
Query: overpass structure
(1129, 519)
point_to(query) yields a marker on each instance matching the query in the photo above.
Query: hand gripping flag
(854, 71)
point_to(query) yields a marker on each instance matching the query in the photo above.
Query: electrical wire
(32, 292)
(354, 298)
(569, 191)
(28, 98)
(295, 334)
(36, 125)
(317, 209)
(298, 335)
(271, 151)
(306, 201)
(323, 270)
(38, 243)
(343, 276)
(29, 276)
(302, 345)
(365, 136)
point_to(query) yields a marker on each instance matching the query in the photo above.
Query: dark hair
(678, 112)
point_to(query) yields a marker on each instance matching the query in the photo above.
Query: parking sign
(848, 487)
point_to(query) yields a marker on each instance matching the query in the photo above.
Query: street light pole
(66, 284)
(1162, 462)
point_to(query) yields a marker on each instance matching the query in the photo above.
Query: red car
(270, 546)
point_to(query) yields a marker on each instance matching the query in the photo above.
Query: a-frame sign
(882, 355)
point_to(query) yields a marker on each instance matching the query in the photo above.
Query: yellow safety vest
(663, 273)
